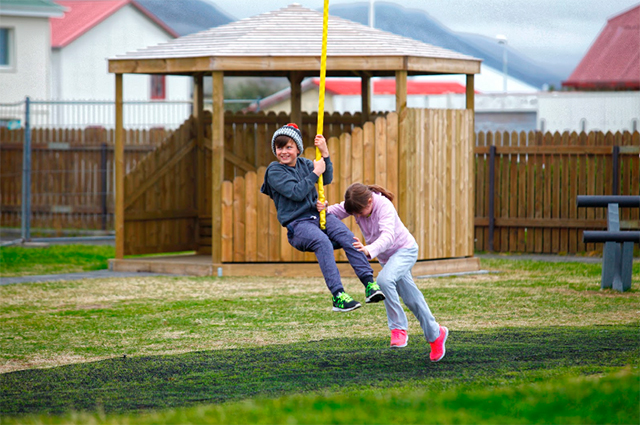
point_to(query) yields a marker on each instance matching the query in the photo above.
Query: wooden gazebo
(184, 197)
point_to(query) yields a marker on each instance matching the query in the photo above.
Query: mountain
(187, 16)
(421, 26)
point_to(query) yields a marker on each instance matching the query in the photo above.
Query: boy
(290, 182)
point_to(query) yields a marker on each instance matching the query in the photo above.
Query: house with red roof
(604, 89)
(343, 95)
(25, 52)
(88, 33)
(494, 111)
(613, 60)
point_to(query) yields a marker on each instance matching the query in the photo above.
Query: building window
(158, 87)
(543, 125)
(634, 125)
(6, 48)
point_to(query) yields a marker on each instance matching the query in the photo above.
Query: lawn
(535, 343)
(21, 261)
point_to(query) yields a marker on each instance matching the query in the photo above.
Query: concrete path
(544, 257)
(110, 274)
(75, 276)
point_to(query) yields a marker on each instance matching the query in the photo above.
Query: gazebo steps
(200, 265)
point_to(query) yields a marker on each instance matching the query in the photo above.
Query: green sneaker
(343, 302)
(373, 293)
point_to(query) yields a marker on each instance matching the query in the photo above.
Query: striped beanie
(290, 130)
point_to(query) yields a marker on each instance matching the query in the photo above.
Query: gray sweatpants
(395, 280)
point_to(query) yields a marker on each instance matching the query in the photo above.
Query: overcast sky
(548, 31)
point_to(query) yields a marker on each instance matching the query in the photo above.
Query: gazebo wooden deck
(200, 190)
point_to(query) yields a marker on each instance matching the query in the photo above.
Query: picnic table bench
(617, 256)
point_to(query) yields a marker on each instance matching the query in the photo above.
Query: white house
(89, 33)
(489, 81)
(605, 84)
(25, 50)
(589, 111)
(81, 41)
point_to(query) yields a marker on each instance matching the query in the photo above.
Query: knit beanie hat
(290, 130)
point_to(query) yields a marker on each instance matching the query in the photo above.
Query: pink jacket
(383, 230)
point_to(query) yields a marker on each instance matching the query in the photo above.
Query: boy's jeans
(305, 234)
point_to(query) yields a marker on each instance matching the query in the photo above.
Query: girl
(397, 250)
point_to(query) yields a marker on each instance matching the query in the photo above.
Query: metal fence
(81, 114)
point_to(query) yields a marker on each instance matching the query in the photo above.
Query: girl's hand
(319, 166)
(358, 245)
(321, 144)
(320, 206)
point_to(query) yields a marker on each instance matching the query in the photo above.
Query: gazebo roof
(290, 39)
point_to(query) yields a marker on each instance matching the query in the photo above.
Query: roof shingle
(292, 31)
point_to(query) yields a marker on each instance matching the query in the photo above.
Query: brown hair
(282, 140)
(357, 196)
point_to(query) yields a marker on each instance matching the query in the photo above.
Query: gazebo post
(365, 93)
(295, 79)
(470, 92)
(217, 165)
(401, 91)
(401, 110)
(119, 163)
(470, 96)
(198, 115)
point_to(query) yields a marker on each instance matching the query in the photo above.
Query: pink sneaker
(437, 346)
(399, 338)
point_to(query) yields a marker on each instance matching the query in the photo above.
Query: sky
(551, 32)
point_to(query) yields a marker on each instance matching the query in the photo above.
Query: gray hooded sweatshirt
(293, 189)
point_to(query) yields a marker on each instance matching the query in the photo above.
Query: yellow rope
(323, 72)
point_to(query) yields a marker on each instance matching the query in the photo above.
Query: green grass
(21, 261)
(535, 343)
(561, 401)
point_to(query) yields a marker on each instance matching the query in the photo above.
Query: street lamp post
(502, 39)
(372, 13)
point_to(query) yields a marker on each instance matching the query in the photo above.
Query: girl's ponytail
(357, 196)
(382, 191)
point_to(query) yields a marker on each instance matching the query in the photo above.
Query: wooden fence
(436, 153)
(247, 137)
(73, 174)
(250, 229)
(536, 181)
(71, 178)
(160, 202)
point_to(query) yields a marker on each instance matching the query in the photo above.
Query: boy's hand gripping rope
(323, 72)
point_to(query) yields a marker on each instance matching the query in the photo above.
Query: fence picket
(556, 162)
(239, 244)
(262, 219)
(547, 192)
(513, 192)
(227, 221)
(251, 203)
